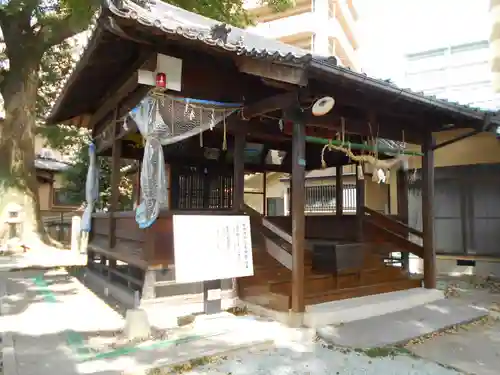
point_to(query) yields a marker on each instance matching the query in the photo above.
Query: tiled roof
(51, 165)
(173, 20)
(176, 21)
(386, 85)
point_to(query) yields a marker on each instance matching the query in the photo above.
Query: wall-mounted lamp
(322, 106)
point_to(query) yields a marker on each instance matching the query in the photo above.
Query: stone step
(392, 328)
(362, 303)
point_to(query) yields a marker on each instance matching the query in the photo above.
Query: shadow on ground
(50, 352)
(21, 294)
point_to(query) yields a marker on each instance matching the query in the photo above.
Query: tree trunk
(18, 182)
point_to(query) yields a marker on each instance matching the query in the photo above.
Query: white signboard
(211, 247)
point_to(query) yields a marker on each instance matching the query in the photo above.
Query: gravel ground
(318, 358)
(315, 360)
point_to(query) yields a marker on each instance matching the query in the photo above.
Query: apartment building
(458, 73)
(324, 27)
(466, 182)
(495, 43)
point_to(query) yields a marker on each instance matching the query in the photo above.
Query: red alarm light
(161, 80)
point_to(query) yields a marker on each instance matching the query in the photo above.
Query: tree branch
(56, 29)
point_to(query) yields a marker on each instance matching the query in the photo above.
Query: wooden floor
(271, 284)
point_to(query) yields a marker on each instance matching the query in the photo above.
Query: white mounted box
(171, 66)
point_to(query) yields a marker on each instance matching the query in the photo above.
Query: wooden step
(270, 272)
(381, 275)
(262, 296)
(313, 283)
(265, 276)
(282, 302)
(262, 255)
(335, 295)
(322, 282)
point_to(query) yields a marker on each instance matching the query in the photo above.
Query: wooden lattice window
(197, 188)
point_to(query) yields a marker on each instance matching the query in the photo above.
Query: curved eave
(428, 102)
(240, 43)
(70, 83)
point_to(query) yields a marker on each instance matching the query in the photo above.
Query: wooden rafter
(270, 104)
(127, 84)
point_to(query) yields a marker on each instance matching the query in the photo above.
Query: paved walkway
(474, 349)
(40, 312)
(403, 325)
(48, 257)
(52, 322)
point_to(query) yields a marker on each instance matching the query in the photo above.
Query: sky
(389, 29)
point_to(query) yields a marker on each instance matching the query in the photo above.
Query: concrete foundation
(452, 267)
(352, 309)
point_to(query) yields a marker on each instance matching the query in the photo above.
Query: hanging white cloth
(153, 179)
(91, 189)
(164, 120)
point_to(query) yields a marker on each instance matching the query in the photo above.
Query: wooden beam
(360, 204)
(122, 108)
(428, 212)
(402, 205)
(386, 128)
(270, 104)
(127, 83)
(456, 139)
(339, 190)
(115, 192)
(264, 194)
(279, 72)
(297, 211)
(112, 102)
(239, 171)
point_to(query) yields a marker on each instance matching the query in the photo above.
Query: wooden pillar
(115, 192)
(138, 186)
(360, 204)
(239, 170)
(428, 212)
(290, 195)
(264, 193)
(339, 191)
(297, 212)
(286, 202)
(402, 205)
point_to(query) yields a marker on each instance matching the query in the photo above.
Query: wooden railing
(387, 229)
(150, 247)
(276, 241)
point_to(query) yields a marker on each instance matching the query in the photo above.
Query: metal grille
(349, 198)
(221, 192)
(195, 188)
(322, 199)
